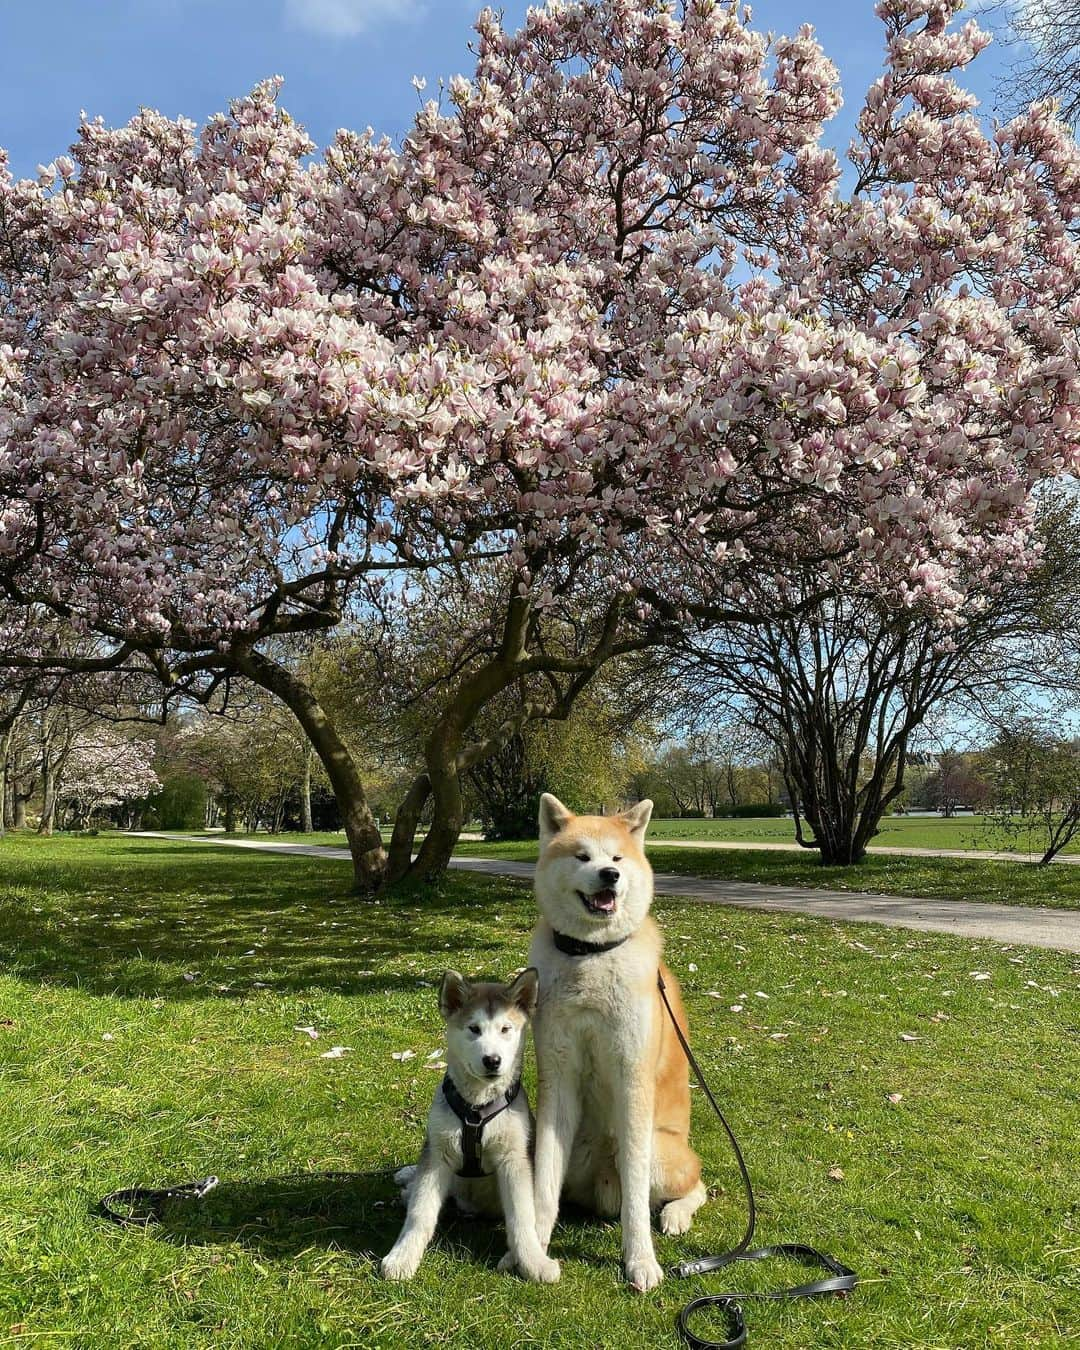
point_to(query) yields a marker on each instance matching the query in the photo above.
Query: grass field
(149, 1002)
(963, 832)
(1005, 883)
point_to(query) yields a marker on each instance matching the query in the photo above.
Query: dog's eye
(475, 1030)
(506, 1030)
(582, 857)
(616, 857)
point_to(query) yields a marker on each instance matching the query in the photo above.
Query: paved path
(898, 850)
(1031, 926)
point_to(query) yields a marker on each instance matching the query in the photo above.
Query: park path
(896, 850)
(1058, 929)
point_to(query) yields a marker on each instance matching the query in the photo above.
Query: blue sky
(345, 62)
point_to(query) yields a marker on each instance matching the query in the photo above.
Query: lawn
(148, 1012)
(1005, 883)
(962, 832)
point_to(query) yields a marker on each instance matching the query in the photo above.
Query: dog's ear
(553, 816)
(524, 990)
(637, 817)
(453, 993)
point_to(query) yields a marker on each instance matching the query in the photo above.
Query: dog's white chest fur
(583, 1009)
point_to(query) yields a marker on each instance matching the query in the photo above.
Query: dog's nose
(609, 875)
(492, 1062)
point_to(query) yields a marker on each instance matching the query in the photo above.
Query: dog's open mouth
(600, 902)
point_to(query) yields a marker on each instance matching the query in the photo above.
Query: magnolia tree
(610, 321)
(105, 769)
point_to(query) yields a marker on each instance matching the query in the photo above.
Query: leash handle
(152, 1199)
(842, 1281)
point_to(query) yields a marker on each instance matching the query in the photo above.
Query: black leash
(143, 1204)
(841, 1280)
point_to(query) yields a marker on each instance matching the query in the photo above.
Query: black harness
(473, 1119)
(839, 1280)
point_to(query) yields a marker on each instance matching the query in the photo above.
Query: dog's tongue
(604, 900)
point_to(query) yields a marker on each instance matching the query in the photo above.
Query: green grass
(964, 832)
(1005, 883)
(147, 1012)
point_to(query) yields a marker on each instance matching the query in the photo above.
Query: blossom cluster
(610, 295)
(106, 768)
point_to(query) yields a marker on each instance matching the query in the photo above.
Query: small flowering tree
(609, 322)
(105, 769)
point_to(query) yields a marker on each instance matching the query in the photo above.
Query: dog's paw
(397, 1265)
(508, 1264)
(540, 1269)
(644, 1273)
(676, 1218)
(404, 1175)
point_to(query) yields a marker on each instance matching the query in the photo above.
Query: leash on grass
(840, 1280)
(140, 1206)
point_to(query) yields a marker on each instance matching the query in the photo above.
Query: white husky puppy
(479, 1129)
(613, 1103)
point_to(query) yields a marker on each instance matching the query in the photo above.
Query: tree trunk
(230, 814)
(361, 827)
(18, 818)
(406, 821)
(434, 854)
(305, 792)
(48, 802)
(5, 743)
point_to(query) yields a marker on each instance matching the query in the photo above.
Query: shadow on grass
(280, 1217)
(356, 1212)
(179, 921)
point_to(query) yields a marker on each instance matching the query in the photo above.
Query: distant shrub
(180, 805)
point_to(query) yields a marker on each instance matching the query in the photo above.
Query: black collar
(572, 946)
(473, 1119)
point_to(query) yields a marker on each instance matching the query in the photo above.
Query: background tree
(839, 687)
(955, 782)
(588, 759)
(253, 760)
(104, 768)
(1036, 772)
(1049, 65)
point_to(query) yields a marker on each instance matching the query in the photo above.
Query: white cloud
(346, 18)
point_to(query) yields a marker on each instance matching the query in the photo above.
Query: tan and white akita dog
(479, 1132)
(613, 1103)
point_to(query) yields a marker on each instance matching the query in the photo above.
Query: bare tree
(840, 686)
(1049, 66)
